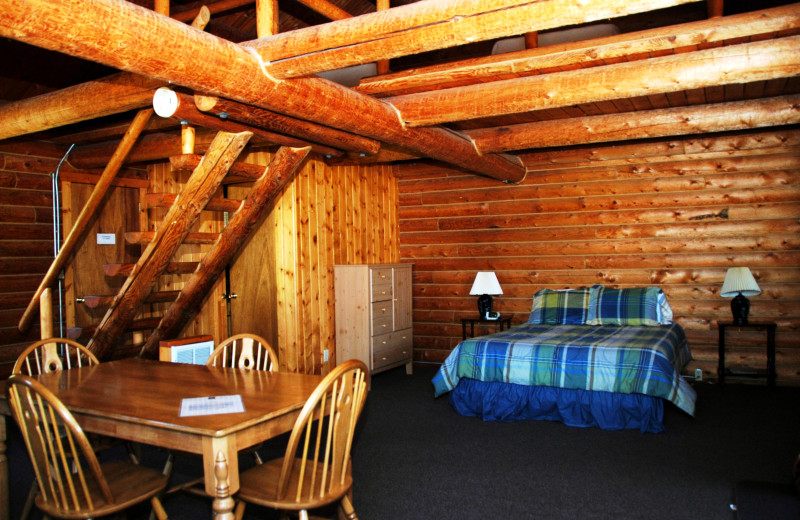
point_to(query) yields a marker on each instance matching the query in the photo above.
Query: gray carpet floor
(414, 457)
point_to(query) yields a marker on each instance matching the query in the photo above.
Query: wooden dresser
(373, 315)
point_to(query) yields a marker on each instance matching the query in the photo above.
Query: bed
(593, 356)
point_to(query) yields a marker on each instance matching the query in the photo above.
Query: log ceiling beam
(260, 118)
(149, 148)
(326, 9)
(181, 107)
(426, 26)
(758, 61)
(700, 119)
(149, 44)
(106, 96)
(586, 53)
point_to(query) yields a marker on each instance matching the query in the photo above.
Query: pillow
(629, 306)
(664, 310)
(563, 307)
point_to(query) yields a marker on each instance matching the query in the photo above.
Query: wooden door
(84, 275)
(253, 279)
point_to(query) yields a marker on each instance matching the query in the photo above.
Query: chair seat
(129, 484)
(259, 485)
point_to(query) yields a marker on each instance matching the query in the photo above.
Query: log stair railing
(209, 172)
(42, 298)
(165, 241)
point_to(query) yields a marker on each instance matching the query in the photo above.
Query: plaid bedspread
(626, 359)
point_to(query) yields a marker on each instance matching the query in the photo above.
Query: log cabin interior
(558, 143)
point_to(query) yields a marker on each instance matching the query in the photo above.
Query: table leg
(221, 470)
(223, 501)
(4, 506)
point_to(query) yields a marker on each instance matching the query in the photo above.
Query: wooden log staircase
(209, 172)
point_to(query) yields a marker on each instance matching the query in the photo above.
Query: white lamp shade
(486, 283)
(739, 280)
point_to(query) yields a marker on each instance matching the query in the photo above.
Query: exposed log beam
(281, 169)
(141, 41)
(106, 96)
(86, 215)
(111, 95)
(180, 106)
(426, 26)
(719, 117)
(326, 9)
(260, 118)
(200, 187)
(743, 63)
(587, 53)
(149, 148)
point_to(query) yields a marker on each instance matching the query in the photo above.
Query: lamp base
(740, 307)
(484, 305)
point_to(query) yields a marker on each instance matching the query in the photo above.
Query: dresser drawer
(391, 348)
(382, 317)
(381, 284)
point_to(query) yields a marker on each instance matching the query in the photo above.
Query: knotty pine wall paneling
(675, 214)
(324, 216)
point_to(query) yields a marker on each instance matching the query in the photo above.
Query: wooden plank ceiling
(674, 68)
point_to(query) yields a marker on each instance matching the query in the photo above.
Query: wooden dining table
(140, 400)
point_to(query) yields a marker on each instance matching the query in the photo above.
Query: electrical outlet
(325, 356)
(698, 374)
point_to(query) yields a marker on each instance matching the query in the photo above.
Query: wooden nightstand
(770, 327)
(499, 324)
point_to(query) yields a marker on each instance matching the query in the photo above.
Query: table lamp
(485, 285)
(739, 283)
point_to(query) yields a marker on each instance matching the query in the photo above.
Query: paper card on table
(214, 405)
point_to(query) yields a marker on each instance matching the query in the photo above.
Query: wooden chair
(247, 351)
(49, 355)
(54, 440)
(320, 474)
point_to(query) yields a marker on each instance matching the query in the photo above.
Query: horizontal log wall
(676, 214)
(26, 245)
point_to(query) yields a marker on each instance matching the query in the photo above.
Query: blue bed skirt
(506, 402)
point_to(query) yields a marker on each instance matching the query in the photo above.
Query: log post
(46, 313)
(275, 176)
(177, 223)
(267, 22)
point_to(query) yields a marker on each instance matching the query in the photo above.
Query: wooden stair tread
(145, 237)
(104, 300)
(125, 270)
(165, 200)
